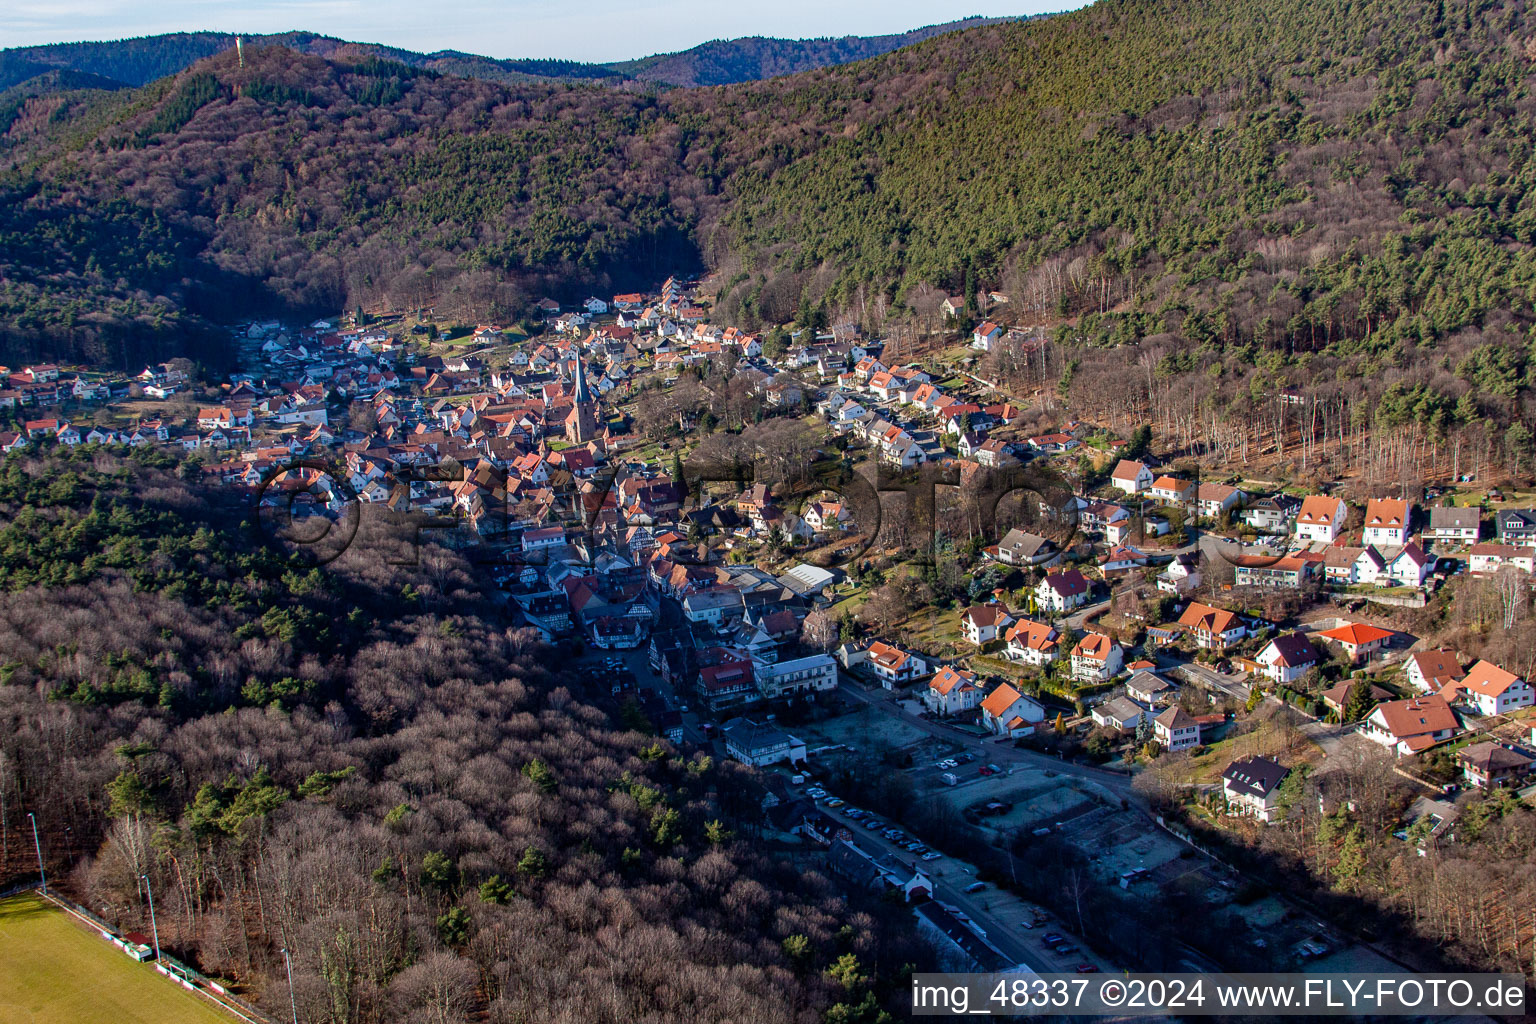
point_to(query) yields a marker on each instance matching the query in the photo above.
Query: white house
(1031, 642)
(1409, 726)
(1007, 712)
(1253, 786)
(1176, 729)
(759, 744)
(1096, 659)
(1215, 628)
(984, 623)
(1286, 659)
(1320, 519)
(1120, 713)
(1131, 477)
(1428, 671)
(1491, 689)
(1386, 521)
(952, 691)
(894, 666)
(1062, 591)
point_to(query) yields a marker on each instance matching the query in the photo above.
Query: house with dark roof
(1454, 526)
(1027, 549)
(1492, 765)
(1286, 659)
(1252, 785)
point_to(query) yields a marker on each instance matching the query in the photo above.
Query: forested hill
(754, 58)
(1302, 175)
(141, 60)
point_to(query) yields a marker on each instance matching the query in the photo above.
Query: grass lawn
(53, 971)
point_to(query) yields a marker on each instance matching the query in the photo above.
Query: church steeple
(583, 393)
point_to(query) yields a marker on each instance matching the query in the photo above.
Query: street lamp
(38, 846)
(292, 1003)
(153, 927)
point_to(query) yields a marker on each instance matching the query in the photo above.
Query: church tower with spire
(581, 424)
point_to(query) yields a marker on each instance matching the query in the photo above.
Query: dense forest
(1211, 203)
(364, 765)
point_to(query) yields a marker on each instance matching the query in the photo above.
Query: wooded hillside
(361, 764)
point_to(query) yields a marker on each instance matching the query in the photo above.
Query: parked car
(872, 824)
(1051, 938)
(931, 855)
(1087, 968)
(836, 801)
(976, 887)
(1067, 950)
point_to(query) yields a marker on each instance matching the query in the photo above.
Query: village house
(1411, 726)
(1131, 477)
(1515, 526)
(1119, 713)
(1007, 712)
(1173, 490)
(1180, 575)
(1096, 659)
(952, 691)
(1252, 785)
(1287, 658)
(1032, 643)
(1150, 688)
(1386, 522)
(1491, 765)
(1286, 573)
(759, 744)
(984, 623)
(1215, 500)
(1027, 549)
(1490, 689)
(1176, 729)
(1272, 514)
(1454, 527)
(1358, 640)
(1428, 671)
(1321, 519)
(1213, 628)
(1488, 558)
(894, 666)
(1061, 592)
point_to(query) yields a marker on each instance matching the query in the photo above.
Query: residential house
(1027, 549)
(1488, 558)
(1321, 519)
(985, 336)
(1173, 490)
(1408, 568)
(1150, 688)
(1359, 640)
(1096, 659)
(1131, 477)
(1181, 575)
(1387, 522)
(1428, 671)
(984, 623)
(1062, 591)
(713, 606)
(1007, 712)
(1215, 500)
(952, 691)
(760, 744)
(1515, 526)
(796, 677)
(1253, 786)
(1286, 573)
(1410, 726)
(1336, 698)
(1031, 642)
(1454, 526)
(1287, 658)
(1214, 628)
(894, 666)
(1490, 689)
(1176, 729)
(1272, 514)
(1120, 713)
(1123, 557)
(1491, 765)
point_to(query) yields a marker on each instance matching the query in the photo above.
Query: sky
(590, 30)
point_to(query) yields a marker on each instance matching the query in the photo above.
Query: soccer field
(53, 971)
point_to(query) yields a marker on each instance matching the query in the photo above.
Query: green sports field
(53, 971)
